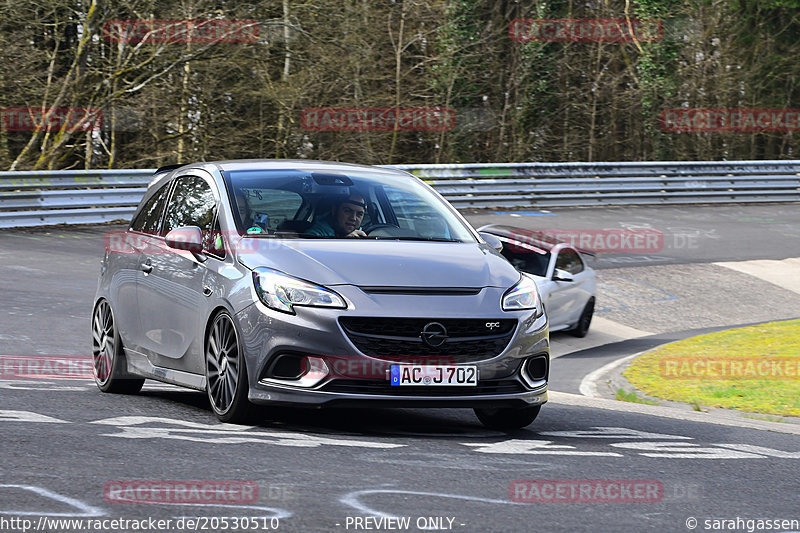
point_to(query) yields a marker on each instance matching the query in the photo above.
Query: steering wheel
(372, 227)
(389, 230)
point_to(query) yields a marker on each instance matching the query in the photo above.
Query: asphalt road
(685, 234)
(69, 452)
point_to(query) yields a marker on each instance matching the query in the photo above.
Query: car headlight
(282, 292)
(523, 295)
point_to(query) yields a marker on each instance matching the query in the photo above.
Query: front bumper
(502, 382)
(274, 395)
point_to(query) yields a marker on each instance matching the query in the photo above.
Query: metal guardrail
(537, 185)
(44, 198)
(40, 198)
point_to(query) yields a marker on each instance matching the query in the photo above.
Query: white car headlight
(523, 295)
(282, 292)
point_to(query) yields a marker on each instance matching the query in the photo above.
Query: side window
(270, 207)
(149, 217)
(570, 261)
(191, 204)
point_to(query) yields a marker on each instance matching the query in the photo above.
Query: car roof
(305, 165)
(300, 164)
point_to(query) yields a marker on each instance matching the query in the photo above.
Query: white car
(567, 284)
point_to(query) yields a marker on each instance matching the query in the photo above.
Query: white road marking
(533, 447)
(224, 433)
(276, 512)
(611, 433)
(86, 510)
(28, 416)
(351, 499)
(72, 385)
(761, 450)
(683, 450)
(78, 385)
(672, 450)
(140, 420)
(23, 268)
(17, 384)
(14, 337)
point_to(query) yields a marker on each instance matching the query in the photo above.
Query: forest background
(150, 101)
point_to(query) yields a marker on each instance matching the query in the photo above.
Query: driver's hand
(357, 233)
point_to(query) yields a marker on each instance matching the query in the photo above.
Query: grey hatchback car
(316, 284)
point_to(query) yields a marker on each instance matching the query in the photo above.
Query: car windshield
(525, 257)
(295, 204)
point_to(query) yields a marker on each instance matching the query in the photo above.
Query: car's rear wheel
(108, 358)
(507, 418)
(226, 374)
(582, 327)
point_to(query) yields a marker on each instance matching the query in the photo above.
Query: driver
(344, 219)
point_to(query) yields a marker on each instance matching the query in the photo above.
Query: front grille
(398, 339)
(364, 386)
(423, 291)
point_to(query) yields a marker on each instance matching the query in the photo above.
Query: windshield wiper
(286, 235)
(433, 239)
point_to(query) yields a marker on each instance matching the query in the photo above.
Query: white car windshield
(525, 257)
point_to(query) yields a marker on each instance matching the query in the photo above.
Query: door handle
(207, 291)
(147, 266)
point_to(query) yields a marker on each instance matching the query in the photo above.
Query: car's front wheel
(226, 374)
(108, 358)
(507, 418)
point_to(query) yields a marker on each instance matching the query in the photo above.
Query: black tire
(506, 419)
(226, 374)
(582, 327)
(108, 358)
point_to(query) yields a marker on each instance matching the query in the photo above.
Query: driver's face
(348, 216)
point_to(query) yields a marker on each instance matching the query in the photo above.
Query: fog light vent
(296, 370)
(286, 366)
(537, 368)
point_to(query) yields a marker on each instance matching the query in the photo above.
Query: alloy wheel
(104, 342)
(222, 363)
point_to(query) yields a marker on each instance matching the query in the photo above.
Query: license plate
(429, 375)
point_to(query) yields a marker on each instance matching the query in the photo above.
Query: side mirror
(188, 238)
(562, 275)
(492, 240)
